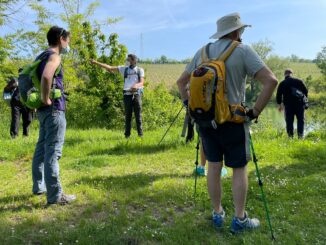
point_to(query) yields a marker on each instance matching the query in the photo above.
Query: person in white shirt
(132, 91)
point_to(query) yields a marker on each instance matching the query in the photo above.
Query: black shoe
(39, 193)
(64, 199)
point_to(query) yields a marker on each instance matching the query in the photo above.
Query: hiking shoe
(218, 219)
(64, 199)
(247, 223)
(224, 172)
(200, 171)
(39, 193)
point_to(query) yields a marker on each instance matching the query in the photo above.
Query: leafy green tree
(263, 48)
(8, 8)
(8, 62)
(88, 41)
(274, 62)
(321, 60)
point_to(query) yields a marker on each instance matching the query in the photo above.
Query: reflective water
(313, 118)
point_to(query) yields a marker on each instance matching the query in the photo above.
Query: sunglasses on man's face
(62, 32)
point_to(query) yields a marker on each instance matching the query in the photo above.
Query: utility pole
(78, 6)
(141, 46)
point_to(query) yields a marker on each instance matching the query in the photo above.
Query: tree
(274, 62)
(263, 48)
(294, 58)
(82, 80)
(8, 67)
(321, 60)
(8, 9)
(164, 59)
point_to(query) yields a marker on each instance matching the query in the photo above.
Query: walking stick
(176, 117)
(196, 163)
(260, 183)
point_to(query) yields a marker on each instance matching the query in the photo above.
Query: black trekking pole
(196, 163)
(176, 117)
(260, 183)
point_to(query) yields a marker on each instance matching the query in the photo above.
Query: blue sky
(177, 28)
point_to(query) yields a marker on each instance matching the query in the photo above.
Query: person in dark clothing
(292, 96)
(17, 110)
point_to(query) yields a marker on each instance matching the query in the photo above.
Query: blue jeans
(45, 166)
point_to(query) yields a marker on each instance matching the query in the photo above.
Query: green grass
(135, 192)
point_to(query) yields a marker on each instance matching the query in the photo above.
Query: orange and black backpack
(208, 102)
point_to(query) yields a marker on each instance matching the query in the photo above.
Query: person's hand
(47, 102)
(185, 103)
(134, 88)
(93, 61)
(251, 114)
(280, 108)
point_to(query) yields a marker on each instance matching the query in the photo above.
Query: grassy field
(169, 73)
(135, 192)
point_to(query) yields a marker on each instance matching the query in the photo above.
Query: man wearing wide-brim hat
(229, 142)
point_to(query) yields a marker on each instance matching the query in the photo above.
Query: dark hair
(229, 34)
(132, 56)
(12, 80)
(54, 35)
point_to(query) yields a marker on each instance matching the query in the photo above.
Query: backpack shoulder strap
(57, 71)
(205, 53)
(138, 73)
(125, 75)
(230, 48)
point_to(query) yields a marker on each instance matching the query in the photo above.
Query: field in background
(169, 73)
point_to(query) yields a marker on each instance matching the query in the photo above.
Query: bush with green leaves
(159, 107)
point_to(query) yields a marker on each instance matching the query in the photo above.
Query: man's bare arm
(269, 82)
(47, 77)
(105, 66)
(182, 85)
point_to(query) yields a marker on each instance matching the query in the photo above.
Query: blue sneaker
(200, 171)
(218, 219)
(238, 225)
(224, 172)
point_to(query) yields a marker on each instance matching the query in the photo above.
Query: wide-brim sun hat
(228, 24)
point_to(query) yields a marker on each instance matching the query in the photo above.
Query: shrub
(159, 107)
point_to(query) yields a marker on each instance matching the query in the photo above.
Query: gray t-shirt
(243, 62)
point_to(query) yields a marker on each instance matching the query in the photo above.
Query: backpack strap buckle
(214, 125)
